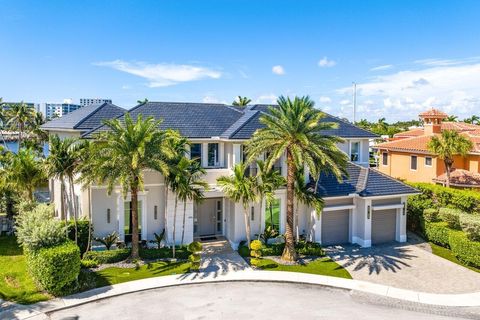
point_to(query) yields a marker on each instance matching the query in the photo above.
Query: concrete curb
(39, 310)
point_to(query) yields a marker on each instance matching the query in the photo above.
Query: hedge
(82, 233)
(56, 268)
(437, 232)
(451, 217)
(464, 249)
(276, 249)
(113, 256)
(430, 215)
(470, 224)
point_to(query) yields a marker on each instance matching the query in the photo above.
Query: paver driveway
(405, 266)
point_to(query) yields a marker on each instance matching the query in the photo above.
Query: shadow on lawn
(9, 246)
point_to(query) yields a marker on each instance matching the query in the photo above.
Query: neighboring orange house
(406, 156)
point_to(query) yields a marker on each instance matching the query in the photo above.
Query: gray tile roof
(366, 182)
(85, 118)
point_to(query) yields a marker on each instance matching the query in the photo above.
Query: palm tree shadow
(381, 258)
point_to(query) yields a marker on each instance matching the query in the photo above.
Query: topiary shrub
(431, 215)
(195, 258)
(86, 264)
(110, 256)
(56, 268)
(470, 224)
(464, 249)
(451, 217)
(36, 227)
(437, 232)
(255, 251)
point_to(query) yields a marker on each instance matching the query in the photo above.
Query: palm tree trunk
(247, 224)
(174, 223)
(448, 168)
(20, 131)
(63, 214)
(261, 218)
(165, 222)
(74, 207)
(297, 236)
(134, 204)
(89, 242)
(183, 224)
(289, 253)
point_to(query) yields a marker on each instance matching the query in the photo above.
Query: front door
(209, 214)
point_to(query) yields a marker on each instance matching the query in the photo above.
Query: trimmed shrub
(430, 215)
(451, 217)
(89, 263)
(310, 249)
(82, 233)
(276, 249)
(465, 250)
(470, 224)
(437, 232)
(36, 227)
(56, 268)
(163, 253)
(243, 251)
(110, 256)
(195, 248)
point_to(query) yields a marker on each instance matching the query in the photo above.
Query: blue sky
(406, 56)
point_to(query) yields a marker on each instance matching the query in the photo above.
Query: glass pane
(272, 215)
(212, 154)
(354, 153)
(196, 151)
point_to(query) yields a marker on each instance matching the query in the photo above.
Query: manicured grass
(448, 254)
(324, 266)
(115, 275)
(15, 282)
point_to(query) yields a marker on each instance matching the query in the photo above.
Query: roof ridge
(89, 115)
(247, 116)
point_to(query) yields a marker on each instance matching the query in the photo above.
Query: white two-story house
(366, 208)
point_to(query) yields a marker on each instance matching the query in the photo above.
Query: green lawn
(447, 254)
(15, 282)
(115, 275)
(324, 266)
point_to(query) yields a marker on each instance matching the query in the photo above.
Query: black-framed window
(213, 155)
(413, 163)
(196, 151)
(385, 159)
(428, 161)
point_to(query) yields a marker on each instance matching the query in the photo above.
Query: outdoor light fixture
(108, 215)
(368, 212)
(155, 209)
(403, 209)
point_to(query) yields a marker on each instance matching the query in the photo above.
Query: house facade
(366, 208)
(407, 156)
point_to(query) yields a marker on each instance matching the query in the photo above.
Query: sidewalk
(38, 311)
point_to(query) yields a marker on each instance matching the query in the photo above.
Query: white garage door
(383, 226)
(335, 226)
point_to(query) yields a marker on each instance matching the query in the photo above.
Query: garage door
(335, 225)
(383, 226)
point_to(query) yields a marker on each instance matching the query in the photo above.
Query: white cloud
(163, 74)
(345, 102)
(326, 63)
(324, 99)
(279, 70)
(451, 87)
(381, 68)
(266, 99)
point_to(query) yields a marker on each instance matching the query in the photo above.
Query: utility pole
(354, 102)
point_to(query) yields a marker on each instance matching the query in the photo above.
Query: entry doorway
(209, 217)
(128, 230)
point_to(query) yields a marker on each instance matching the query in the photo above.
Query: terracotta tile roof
(457, 126)
(410, 133)
(407, 144)
(433, 113)
(460, 178)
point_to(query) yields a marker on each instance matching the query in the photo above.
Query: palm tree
(451, 118)
(142, 101)
(23, 172)
(295, 128)
(20, 114)
(472, 120)
(3, 121)
(268, 180)
(446, 146)
(241, 101)
(240, 188)
(191, 185)
(120, 156)
(62, 164)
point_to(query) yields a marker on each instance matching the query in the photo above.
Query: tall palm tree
(20, 114)
(295, 128)
(191, 185)
(447, 145)
(474, 119)
(62, 164)
(451, 118)
(240, 188)
(23, 172)
(3, 121)
(241, 101)
(268, 180)
(122, 153)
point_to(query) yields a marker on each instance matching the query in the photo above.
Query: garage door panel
(384, 224)
(335, 227)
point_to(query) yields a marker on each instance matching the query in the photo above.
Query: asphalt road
(254, 300)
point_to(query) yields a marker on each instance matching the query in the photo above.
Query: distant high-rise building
(88, 101)
(56, 110)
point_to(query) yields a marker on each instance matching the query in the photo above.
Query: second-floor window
(213, 155)
(355, 152)
(196, 151)
(428, 161)
(413, 163)
(385, 159)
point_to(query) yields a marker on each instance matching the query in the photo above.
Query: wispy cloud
(163, 74)
(266, 98)
(381, 68)
(435, 62)
(278, 70)
(326, 100)
(326, 63)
